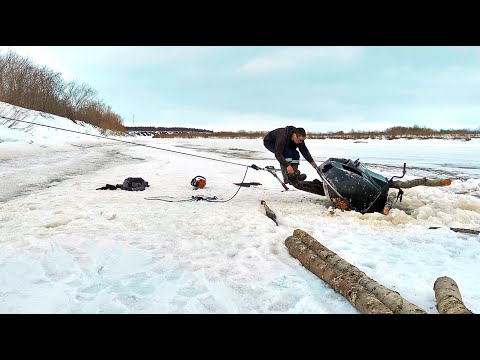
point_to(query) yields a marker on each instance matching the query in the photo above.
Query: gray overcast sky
(321, 88)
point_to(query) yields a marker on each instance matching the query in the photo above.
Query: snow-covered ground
(66, 247)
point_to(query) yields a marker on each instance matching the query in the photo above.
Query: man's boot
(296, 177)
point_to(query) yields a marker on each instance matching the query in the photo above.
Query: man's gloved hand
(314, 164)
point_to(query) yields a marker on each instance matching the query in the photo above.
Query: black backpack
(134, 184)
(129, 184)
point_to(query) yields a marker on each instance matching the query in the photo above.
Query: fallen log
(420, 182)
(393, 196)
(357, 295)
(460, 230)
(447, 294)
(392, 299)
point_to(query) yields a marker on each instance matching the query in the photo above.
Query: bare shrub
(29, 86)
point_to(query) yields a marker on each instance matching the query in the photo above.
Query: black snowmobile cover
(365, 190)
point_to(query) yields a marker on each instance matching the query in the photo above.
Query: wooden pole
(460, 230)
(421, 182)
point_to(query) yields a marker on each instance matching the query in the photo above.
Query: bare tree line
(397, 132)
(34, 87)
(390, 134)
(165, 129)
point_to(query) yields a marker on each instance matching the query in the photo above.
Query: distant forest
(165, 129)
(396, 132)
(400, 132)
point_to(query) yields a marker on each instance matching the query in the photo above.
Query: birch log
(421, 182)
(392, 299)
(447, 294)
(357, 295)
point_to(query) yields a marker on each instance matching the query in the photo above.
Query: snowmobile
(349, 185)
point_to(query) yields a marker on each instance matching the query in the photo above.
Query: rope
(124, 141)
(194, 198)
(200, 197)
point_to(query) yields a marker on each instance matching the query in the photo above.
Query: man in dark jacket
(283, 142)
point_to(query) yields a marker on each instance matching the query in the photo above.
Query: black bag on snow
(134, 184)
(129, 184)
